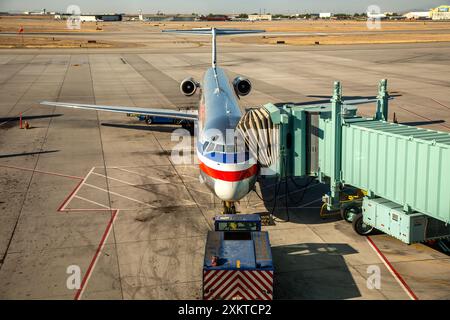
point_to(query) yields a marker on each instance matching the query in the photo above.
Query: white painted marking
(139, 174)
(93, 202)
(77, 189)
(187, 202)
(119, 195)
(115, 179)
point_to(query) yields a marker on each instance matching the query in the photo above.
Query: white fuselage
(225, 166)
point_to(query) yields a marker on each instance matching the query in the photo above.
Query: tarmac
(100, 191)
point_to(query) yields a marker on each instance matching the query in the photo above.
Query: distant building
(91, 17)
(418, 15)
(215, 18)
(88, 18)
(325, 15)
(35, 13)
(372, 15)
(260, 17)
(440, 13)
(183, 18)
(158, 18)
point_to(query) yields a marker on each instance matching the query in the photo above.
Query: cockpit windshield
(209, 147)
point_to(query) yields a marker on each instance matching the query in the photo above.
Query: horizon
(287, 7)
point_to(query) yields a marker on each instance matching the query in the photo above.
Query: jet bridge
(403, 171)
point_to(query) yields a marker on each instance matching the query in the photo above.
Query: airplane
(218, 112)
(228, 169)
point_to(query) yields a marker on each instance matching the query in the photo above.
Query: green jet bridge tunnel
(403, 171)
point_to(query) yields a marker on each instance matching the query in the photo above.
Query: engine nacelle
(188, 87)
(242, 86)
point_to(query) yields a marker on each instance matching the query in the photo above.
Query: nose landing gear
(229, 207)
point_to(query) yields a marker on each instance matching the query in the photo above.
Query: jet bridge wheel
(348, 213)
(360, 227)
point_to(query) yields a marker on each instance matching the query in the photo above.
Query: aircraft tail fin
(214, 32)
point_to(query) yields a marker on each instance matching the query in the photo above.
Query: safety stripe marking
(226, 284)
(94, 260)
(392, 270)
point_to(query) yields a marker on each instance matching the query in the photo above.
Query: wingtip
(48, 103)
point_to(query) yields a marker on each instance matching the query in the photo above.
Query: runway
(100, 190)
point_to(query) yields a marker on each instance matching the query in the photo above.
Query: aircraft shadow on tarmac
(152, 127)
(26, 154)
(313, 271)
(43, 116)
(10, 122)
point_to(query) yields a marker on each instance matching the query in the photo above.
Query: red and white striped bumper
(237, 285)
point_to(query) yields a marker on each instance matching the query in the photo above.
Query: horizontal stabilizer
(208, 31)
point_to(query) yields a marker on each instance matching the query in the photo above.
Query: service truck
(238, 260)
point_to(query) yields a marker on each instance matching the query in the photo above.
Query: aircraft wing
(166, 113)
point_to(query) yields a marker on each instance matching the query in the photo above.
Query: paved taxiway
(100, 191)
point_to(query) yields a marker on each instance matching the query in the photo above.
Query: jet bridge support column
(382, 102)
(333, 202)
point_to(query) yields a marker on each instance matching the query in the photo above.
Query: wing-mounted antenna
(214, 32)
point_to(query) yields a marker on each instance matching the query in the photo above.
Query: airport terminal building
(440, 13)
(92, 17)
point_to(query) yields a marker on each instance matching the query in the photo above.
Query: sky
(216, 6)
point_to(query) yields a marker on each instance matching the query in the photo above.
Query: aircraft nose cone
(233, 191)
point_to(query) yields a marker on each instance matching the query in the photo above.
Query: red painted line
(82, 210)
(70, 196)
(43, 172)
(97, 252)
(392, 269)
(230, 176)
(114, 213)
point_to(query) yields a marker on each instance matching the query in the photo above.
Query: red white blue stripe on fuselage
(229, 180)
